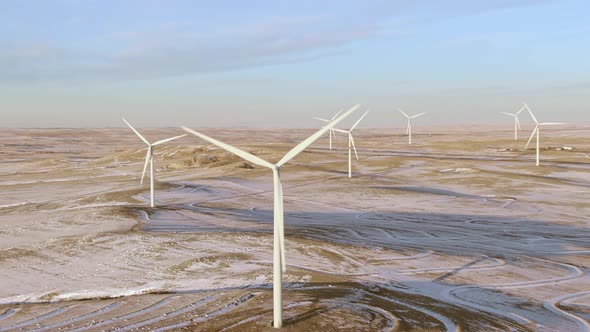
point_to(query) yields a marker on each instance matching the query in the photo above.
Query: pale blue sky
(277, 63)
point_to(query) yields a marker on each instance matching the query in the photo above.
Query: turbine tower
(149, 158)
(516, 121)
(332, 134)
(409, 128)
(538, 129)
(279, 265)
(351, 145)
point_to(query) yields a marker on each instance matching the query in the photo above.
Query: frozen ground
(453, 233)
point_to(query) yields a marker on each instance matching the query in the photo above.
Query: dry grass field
(457, 232)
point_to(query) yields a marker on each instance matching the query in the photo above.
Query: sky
(70, 63)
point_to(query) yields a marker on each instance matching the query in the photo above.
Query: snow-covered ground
(459, 231)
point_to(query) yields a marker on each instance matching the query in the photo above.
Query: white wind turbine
(351, 145)
(409, 128)
(516, 121)
(538, 129)
(331, 129)
(149, 157)
(279, 265)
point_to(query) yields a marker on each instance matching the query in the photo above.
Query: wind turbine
(538, 129)
(279, 265)
(516, 121)
(409, 128)
(149, 157)
(331, 129)
(351, 143)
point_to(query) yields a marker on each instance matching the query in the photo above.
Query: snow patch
(458, 170)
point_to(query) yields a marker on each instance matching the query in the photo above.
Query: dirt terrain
(457, 232)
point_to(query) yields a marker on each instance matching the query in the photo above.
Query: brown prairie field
(457, 232)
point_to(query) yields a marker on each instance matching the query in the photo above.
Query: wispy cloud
(180, 47)
(176, 49)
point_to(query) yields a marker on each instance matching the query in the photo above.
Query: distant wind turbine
(516, 121)
(331, 129)
(351, 145)
(149, 157)
(279, 265)
(538, 129)
(409, 128)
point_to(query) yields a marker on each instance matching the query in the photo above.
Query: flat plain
(457, 232)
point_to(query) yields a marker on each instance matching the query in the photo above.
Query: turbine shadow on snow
(447, 233)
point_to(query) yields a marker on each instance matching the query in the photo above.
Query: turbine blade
(301, 146)
(136, 132)
(517, 122)
(403, 113)
(532, 135)
(336, 115)
(278, 221)
(419, 114)
(551, 123)
(520, 110)
(147, 159)
(340, 130)
(282, 229)
(240, 153)
(507, 113)
(321, 119)
(357, 121)
(167, 140)
(531, 113)
(353, 147)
